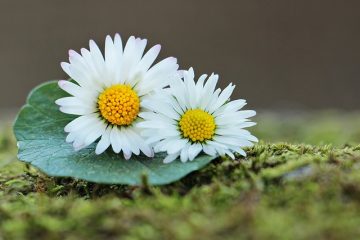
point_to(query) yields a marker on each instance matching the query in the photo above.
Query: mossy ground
(307, 188)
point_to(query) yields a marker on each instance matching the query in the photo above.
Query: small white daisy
(189, 118)
(109, 92)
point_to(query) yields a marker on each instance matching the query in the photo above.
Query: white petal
(163, 145)
(144, 147)
(191, 88)
(241, 152)
(154, 139)
(238, 150)
(118, 58)
(235, 105)
(178, 90)
(66, 67)
(224, 96)
(139, 49)
(109, 48)
(170, 158)
(118, 44)
(163, 67)
(177, 145)
(230, 154)
(133, 144)
(208, 90)
(199, 88)
(77, 61)
(176, 105)
(104, 142)
(148, 132)
(126, 148)
(96, 132)
(161, 107)
(95, 77)
(115, 140)
(80, 122)
(216, 144)
(149, 58)
(80, 136)
(77, 110)
(159, 76)
(162, 134)
(84, 77)
(152, 124)
(213, 99)
(220, 151)
(128, 59)
(251, 138)
(246, 124)
(194, 150)
(97, 56)
(87, 137)
(74, 101)
(232, 106)
(184, 156)
(236, 132)
(69, 87)
(77, 91)
(70, 137)
(157, 117)
(209, 150)
(233, 141)
(234, 117)
(111, 60)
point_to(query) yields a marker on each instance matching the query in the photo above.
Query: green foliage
(39, 130)
(280, 191)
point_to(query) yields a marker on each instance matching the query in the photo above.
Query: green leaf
(41, 141)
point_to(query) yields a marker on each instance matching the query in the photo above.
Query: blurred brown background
(282, 54)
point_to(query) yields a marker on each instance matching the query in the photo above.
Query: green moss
(280, 191)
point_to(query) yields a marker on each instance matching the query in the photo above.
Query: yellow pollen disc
(119, 105)
(197, 125)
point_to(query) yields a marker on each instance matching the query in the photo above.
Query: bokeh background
(282, 55)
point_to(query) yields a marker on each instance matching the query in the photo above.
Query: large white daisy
(108, 93)
(190, 117)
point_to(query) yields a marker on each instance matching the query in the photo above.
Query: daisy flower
(108, 92)
(188, 118)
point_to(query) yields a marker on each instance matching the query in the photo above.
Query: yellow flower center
(119, 105)
(197, 125)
